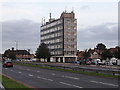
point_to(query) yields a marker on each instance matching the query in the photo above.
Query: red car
(7, 64)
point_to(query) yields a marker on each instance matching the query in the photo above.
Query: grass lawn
(66, 70)
(10, 84)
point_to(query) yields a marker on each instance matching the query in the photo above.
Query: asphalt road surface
(44, 78)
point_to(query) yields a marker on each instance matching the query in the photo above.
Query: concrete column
(75, 58)
(63, 59)
(59, 59)
(54, 59)
(51, 59)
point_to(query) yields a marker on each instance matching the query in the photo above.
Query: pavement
(44, 78)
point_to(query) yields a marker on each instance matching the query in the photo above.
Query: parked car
(88, 62)
(109, 63)
(7, 64)
(103, 62)
(94, 62)
(114, 61)
(77, 62)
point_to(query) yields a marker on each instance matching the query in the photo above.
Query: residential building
(95, 55)
(20, 54)
(80, 55)
(60, 35)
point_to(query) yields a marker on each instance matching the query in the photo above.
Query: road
(44, 78)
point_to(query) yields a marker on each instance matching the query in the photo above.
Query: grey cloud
(26, 32)
(105, 33)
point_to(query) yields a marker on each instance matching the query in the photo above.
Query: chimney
(12, 49)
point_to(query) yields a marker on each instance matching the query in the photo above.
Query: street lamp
(16, 44)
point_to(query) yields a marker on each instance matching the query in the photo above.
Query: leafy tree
(42, 52)
(12, 55)
(117, 53)
(100, 46)
(86, 55)
(106, 54)
(9, 54)
(6, 53)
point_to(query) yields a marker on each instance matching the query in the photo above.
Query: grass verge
(10, 84)
(68, 70)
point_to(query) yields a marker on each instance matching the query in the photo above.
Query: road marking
(6, 68)
(104, 83)
(1, 86)
(11, 70)
(28, 69)
(38, 71)
(45, 78)
(19, 72)
(70, 77)
(30, 75)
(71, 85)
(53, 74)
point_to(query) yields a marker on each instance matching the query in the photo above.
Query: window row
(51, 30)
(55, 46)
(56, 52)
(70, 40)
(53, 41)
(68, 46)
(69, 33)
(52, 24)
(69, 52)
(51, 36)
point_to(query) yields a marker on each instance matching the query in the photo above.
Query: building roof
(18, 52)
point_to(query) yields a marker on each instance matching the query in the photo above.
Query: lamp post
(16, 44)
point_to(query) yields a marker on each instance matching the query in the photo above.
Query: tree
(86, 55)
(117, 53)
(100, 46)
(106, 54)
(9, 54)
(43, 52)
(12, 55)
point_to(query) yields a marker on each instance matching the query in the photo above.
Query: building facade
(60, 35)
(19, 54)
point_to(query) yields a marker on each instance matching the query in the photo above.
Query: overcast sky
(97, 21)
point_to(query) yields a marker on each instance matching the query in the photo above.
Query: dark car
(77, 62)
(7, 64)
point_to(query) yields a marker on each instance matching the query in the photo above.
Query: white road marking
(53, 74)
(38, 71)
(71, 85)
(70, 77)
(19, 72)
(28, 69)
(30, 75)
(6, 68)
(11, 70)
(1, 86)
(104, 83)
(45, 78)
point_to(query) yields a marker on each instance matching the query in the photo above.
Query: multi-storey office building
(60, 35)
